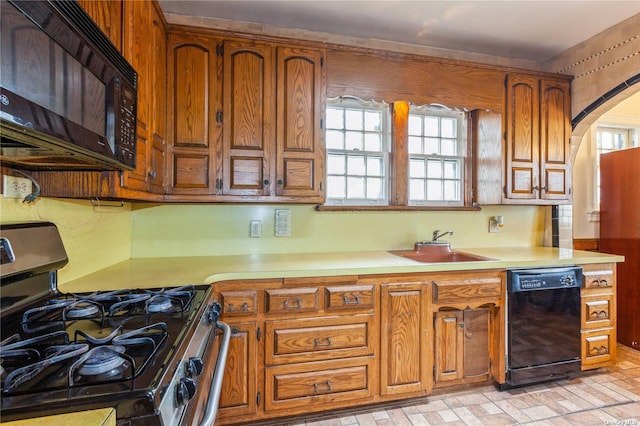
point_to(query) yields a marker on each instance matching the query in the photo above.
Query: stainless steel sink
(437, 252)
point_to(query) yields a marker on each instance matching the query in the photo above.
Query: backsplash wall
(195, 230)
(94, 238)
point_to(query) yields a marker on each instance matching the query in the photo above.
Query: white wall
(585, 214)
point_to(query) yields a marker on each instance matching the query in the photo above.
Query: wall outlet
(16, 187)
(255, 229)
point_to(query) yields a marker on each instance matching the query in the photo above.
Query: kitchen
(142, 230)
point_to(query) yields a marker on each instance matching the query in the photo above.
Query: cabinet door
(555, 129)
(136, 49)
(194, 88)
(523, 137)
(449, 346)
(239, 392)
(403, 360)
(476, 343)
(158, 72)
(300, 147)
(108, 16)
(249, 118)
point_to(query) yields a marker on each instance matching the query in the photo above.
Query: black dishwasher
(543, 324)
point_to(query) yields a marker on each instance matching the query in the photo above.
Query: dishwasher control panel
(543, 278)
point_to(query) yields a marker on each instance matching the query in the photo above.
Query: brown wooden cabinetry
(144, 46)
(598, 314)
(526, 160)
(537, 129)
(404, 338)
(467, 320)
(246, 120)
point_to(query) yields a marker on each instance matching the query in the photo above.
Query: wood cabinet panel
(449, 346)
(193, 164)
(460, 290)
(597, 349)
(301, 387)
(403, 339)
(300, 145)
(291, 300)
(240, 382)
(240, 302)
(555, 131)
(290, 341)
(249, 118)
(108, 16)
(597, 311)
(349, 297)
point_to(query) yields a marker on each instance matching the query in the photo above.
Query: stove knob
(567, 280)
(186, 390)
(194, 366)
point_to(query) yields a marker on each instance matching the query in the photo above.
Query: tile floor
(608, 396)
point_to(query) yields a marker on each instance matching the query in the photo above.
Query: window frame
(385, 153)
(398, 172)
(461, 157)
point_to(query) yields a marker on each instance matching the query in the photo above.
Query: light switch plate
(283, 223)
(255, 229)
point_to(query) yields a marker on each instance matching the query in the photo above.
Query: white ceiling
(517, 29)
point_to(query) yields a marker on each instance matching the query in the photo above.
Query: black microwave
(67, 95)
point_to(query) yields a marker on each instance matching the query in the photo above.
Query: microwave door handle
(216, 383)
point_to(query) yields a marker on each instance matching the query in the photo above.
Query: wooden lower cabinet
(403, 339)
(598, 323)
(461, 346)
(239, 395)
(304, 345)
(308, 387)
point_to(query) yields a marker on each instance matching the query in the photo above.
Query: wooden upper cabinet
(300, 145)
(555, 133)
(249, 118)
(193, 129)
(537, 131)
(108, 16)
(144, 46)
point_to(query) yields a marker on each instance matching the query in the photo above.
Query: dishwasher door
(543, 324)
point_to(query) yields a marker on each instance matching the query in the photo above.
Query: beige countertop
(103, 417)
(178, 271)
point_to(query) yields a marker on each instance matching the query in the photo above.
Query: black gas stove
(142, 351)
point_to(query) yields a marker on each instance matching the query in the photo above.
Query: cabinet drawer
(292, 300)
(598, 348)
(602, 278)
(459, 290)
(349, 297)
(597, 311)
(241, 302)
(300, 385)
(315, 340)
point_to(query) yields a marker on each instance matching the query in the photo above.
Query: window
(357, 142)
(436, 147)
(610, 139)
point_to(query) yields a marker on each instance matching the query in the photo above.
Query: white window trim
(442, 111)
(357, 103)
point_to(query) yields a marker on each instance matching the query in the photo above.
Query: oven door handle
(216, 383)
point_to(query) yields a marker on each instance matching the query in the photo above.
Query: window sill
(327, 208)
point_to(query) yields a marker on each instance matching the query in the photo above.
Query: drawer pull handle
(245, 308)
(600, 315)
(326, 387)
(345, 300)
(604, 283)
(317, 344)
(296, 305)
(601, 350)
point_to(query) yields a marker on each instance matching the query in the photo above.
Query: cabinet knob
(265, 182)
(280, 182)
(153, 174)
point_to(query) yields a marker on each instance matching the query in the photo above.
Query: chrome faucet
(437, 235)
